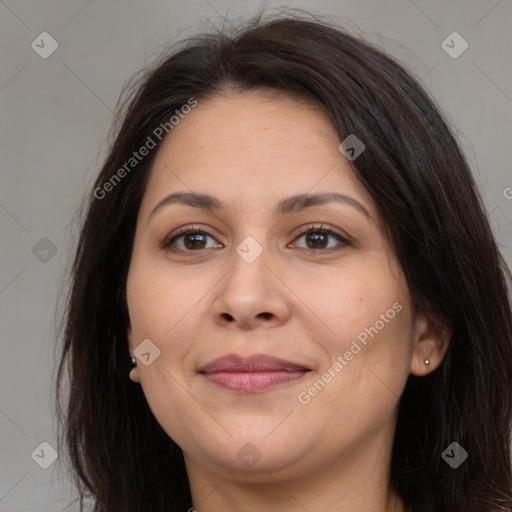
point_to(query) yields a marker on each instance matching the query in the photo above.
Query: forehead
(258, 143)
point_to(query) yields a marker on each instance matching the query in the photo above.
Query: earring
(134, 362)
(427, 362)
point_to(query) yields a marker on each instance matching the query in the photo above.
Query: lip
(251, 374)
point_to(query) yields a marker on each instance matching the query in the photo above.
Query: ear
(431, 343)
(134, 372)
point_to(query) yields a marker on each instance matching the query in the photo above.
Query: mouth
(251, 374)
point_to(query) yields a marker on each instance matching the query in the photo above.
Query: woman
(286, 294)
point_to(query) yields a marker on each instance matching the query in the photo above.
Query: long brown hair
(418, 176)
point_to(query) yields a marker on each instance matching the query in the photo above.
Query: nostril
(266, 315)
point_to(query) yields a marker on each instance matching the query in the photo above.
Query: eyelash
(315, 229)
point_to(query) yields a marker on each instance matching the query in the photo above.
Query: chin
(252, 464)
(251, 456)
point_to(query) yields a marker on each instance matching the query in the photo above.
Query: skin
(298, 301)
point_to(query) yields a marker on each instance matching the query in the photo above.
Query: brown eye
(188, 241)
(319, 238)
(316, 240)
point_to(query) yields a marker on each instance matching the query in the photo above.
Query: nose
(252, 295)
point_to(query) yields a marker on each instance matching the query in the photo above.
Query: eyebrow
(285, 206)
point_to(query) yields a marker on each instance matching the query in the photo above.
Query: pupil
(194, 239)
(317, 237)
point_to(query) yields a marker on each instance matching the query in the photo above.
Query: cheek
(366, 335)
(353, 300)
(161, 305)
(159, 299)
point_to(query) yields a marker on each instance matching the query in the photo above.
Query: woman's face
(268, 348)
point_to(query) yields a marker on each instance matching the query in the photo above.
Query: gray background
(56, 113)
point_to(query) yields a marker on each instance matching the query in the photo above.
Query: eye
(317, 238)
(187, 240)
